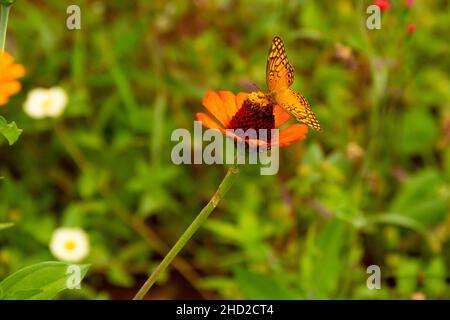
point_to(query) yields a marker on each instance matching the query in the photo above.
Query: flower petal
(216, 107)
(3, 100)
(280, 115)
(240, 98)
(295, 132)
(5, 59)
(229, 101)
(9, 72)
(207, 121)
(252, 142)
(10, 88)
(13, 72)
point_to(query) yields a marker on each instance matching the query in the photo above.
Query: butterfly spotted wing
(279, 72)
(298, 107)
(279, 77)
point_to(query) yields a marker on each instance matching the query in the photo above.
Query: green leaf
(420, 198)
(7, 2)
(323, 260)
(118, 275)
(6, 225)
(406, 276)
(9, 130)
(418, 139)
(435, 277)
(41, 281)
(225, 230)
(257, 286)
(399, 220)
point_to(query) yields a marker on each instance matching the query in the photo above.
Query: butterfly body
(279, 77)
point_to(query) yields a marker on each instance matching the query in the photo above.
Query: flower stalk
(190, 231)
(5, 5)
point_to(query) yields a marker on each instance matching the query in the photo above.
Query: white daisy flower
(69, 244)
(43, 103)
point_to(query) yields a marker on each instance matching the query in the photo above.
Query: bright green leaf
(41, 281)
(6, 225)
(9, 130)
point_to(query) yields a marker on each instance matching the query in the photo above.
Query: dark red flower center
(252, 116)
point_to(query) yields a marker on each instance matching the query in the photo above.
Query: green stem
(194, 226)
(4, 13)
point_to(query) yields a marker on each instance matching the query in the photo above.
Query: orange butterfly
(279, 77)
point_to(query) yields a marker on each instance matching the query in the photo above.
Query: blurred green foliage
(41, 281)
(372, 188)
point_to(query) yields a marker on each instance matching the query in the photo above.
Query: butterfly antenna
(249, 86)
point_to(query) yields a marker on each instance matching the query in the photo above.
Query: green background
(372, 188)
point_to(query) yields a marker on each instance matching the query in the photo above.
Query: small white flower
(43, 103)
(69, 244)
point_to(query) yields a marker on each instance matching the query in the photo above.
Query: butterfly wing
(279, 72)
(298, 107)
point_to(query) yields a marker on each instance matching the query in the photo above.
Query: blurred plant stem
(134, 222)
(379, 75)
(193, 227)
(4, 13)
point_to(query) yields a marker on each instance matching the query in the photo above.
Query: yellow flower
(9, 73)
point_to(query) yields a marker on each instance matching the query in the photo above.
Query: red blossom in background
(411, 28)
(409, 3)
(383, 4)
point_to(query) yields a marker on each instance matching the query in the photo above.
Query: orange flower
(238, 112)
(9, 73)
